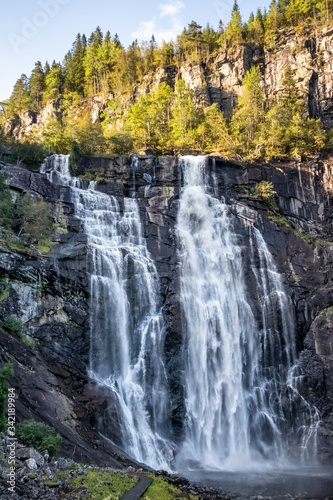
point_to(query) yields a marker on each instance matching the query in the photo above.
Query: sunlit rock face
(143, 212)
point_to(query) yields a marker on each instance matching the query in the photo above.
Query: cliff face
(49, 292)
(219, 77)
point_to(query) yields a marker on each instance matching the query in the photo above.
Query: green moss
(324, 311)
(282, 220)
(101, 180)
(27, 340)
(16, 246)
(102, 485)
(61, 228)
(166, 191)
(88, 176)
(4, 293)
(52, 484)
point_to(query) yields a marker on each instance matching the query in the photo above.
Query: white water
(236, 370)
(127, 331)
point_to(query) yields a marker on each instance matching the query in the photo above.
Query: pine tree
(287, 129)
(250, 112)
(214, 132)
(19, 100)
(54, 82)
(36, 86)
(73, 66)
(234, 29)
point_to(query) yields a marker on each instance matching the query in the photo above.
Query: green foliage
(30, 154)
(185, 119)
(53, 84)
(75, 153)
(6, 205)
(54, 137)
(40, 436)
(35, 219)
(234, 34)
(36, 86)
(215, 136)
(13, 326)
(6, 372)
(265, 190)
(286, 129)
(19, 100)
(250, 112)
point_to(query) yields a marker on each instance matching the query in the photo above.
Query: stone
(31, 463)
(26, 453)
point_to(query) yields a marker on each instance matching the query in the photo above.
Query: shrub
(40, 436)
(6, 372)
(265, 190)
(30, 154)
(12, 325)
(35, 219)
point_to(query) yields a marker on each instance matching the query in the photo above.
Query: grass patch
(160, 489)
(101, 485)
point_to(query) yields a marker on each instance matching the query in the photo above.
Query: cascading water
(237, 373)
(242, 383)
(127, 331)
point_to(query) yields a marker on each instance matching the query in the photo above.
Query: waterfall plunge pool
(310, 482)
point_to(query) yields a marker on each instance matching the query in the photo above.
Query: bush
(13, 326)
(35, 219)
(6, 372)
(264, 190)
(30, 154)
(40, 436)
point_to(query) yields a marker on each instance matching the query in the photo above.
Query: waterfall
(238, 370)
(243, 387)
(127, 332)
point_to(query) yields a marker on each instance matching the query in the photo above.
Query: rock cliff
(49, 292)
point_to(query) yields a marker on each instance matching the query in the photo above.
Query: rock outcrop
(49, 293)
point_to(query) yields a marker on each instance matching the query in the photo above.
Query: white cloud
(158, 28)
(170, 9)
(145, 30)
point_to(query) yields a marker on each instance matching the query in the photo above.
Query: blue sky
(33, 30)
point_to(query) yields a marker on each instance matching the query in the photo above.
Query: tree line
(165, 120)
(101, 64)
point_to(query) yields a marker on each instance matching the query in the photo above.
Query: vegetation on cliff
(167, 118)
